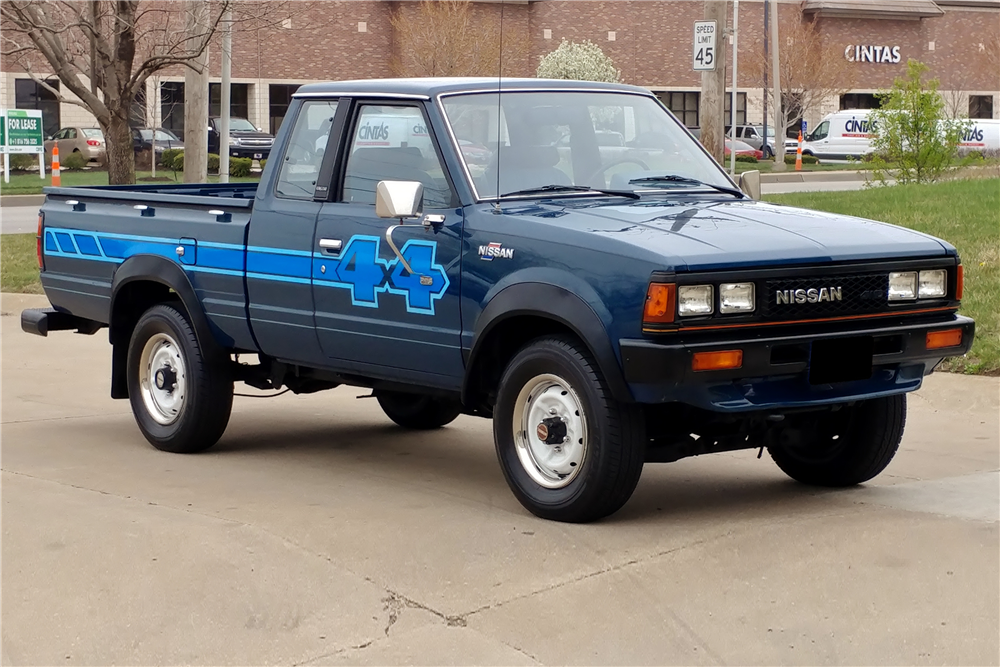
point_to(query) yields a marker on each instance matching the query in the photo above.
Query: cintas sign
(863, 53)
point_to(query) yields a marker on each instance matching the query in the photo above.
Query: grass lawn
(18, 264)
(964, 213)
(28, 183)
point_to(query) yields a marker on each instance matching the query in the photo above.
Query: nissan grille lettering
(811, 295)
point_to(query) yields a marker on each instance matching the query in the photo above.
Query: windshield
(241, 125)
(93, 133)
(530, 140)
(161, 135)
(760, 130)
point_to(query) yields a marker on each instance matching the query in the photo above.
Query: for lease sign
(22, 131)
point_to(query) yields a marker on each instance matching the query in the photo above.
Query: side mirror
(399, 199)
(750, 183)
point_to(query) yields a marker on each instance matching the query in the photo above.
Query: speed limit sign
(704, 45)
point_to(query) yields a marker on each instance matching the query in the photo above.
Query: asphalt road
(316, 532)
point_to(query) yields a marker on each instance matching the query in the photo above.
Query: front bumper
(250, 152)
(775, 370)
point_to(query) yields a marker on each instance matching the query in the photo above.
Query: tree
(103, 51)
(582, 61)
(452, 38)
(913, 141)
(811, 70)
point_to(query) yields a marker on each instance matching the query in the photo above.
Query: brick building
(650, 41)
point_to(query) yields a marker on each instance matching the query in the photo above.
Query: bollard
(798, 154)
(55, 165)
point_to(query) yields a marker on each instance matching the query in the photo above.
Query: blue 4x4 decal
(360, 269)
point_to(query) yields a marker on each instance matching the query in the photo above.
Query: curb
(22, 200)
(813, 176)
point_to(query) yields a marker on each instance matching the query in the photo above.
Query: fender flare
(558, 304)
(157, 269)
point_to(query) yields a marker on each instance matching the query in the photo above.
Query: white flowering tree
(581, 61)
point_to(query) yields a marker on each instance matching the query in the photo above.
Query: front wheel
(569, 450)
(418, 412)
(181, 397)
(848, 447)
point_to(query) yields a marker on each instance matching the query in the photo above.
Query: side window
(71, 134)
(304, 154)
(392, 143)
(821, 131)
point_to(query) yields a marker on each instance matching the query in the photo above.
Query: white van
(983, 135)
(840, 136)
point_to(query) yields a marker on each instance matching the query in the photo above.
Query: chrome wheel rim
(162, 379)
(550, 431)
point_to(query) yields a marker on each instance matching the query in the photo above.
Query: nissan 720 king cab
(561, 257)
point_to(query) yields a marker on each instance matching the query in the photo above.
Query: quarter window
(392, 143)
(304, 155)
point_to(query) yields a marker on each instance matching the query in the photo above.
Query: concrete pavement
(316, 532)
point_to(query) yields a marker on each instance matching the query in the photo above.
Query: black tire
(768, 153)
(206, 401)
(852, 446)
(416, 411)
(613, 446)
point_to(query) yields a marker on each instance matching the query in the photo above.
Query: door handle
(331, 245)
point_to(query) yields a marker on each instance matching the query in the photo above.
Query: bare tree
(451, 38)
(103, 51)
(811, 70)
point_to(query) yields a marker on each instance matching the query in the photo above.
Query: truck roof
(431, 87)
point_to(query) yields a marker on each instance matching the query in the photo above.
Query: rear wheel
(849, 447)
(416, 411)
(568, 449)
(181, 397)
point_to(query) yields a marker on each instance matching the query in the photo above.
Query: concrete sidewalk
(317, 532)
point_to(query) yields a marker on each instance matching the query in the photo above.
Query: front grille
(860, 293)
(256, 142)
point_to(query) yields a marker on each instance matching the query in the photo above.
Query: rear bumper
(40, 321)
(775, 370)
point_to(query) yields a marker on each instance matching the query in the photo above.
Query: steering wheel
(627, 160)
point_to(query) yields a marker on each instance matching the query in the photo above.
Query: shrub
(240, 166)
(177, 164)
(213, 163)
(806, 159)
(746, 158)
(581, 61)
(23, 162)
(263, 163)
(167, 157)
(73, 162)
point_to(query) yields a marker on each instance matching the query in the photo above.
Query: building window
(741, 108)
(980, 106)
(29, 94)
(684, 106)
(279, 97)
(239, 100)
(859, 101)
(172, 106)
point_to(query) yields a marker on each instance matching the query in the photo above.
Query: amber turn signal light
(946, 338)
(660, 303)
(717, 361)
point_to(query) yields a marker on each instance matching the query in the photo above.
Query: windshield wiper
(684, 180)
(572, 188)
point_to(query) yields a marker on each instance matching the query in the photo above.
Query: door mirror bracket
(400, 199)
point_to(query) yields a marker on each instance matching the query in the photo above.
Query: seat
(524, 167)
(367, 166)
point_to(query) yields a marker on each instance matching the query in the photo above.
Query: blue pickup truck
(469, 246)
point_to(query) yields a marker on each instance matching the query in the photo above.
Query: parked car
(743, 149)
(161, 139)
(88, 141)
(245, 140)
(754, 135)
(605, 311)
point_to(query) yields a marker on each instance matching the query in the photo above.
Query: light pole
(732, 99)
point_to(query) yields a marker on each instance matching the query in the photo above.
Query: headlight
(736, 298)
(233, 141)
(695, 300)
(902, 285)
(933, 284)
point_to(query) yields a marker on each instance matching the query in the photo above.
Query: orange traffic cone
(55, 165)
(798, 154)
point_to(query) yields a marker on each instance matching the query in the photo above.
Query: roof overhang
(866, 9)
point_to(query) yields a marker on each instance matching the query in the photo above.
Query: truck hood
(731, 234)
